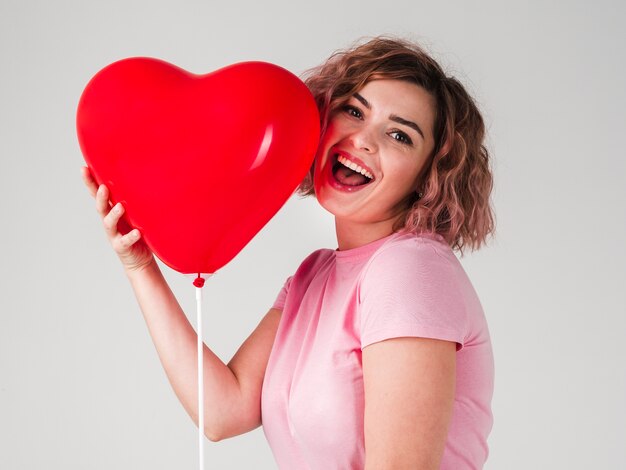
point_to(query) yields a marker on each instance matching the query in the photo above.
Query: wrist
(138, 270)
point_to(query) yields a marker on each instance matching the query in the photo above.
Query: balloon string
(199, 282)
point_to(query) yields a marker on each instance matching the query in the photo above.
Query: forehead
(401, 98)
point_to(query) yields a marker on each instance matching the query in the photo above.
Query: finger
(125, 241)
(111, 219)
(89, 181)
(102, 200)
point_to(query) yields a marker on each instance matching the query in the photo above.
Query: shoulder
(422, 256)
(412, 286)
(315, 260)
(297, 283)
(312, 265)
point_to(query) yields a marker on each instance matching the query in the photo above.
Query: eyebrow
(363, 101)
(392, 117)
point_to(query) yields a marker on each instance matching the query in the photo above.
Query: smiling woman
(382, 358)
(376, 354)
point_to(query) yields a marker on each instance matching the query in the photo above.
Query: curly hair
(453, 194)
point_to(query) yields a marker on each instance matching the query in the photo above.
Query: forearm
(176, 344)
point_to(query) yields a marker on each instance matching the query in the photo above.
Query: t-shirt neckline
(363, 250)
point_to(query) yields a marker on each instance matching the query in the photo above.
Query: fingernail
(118, 208)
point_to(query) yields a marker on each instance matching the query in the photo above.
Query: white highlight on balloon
(264, 148)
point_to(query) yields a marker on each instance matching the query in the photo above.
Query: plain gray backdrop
(80, 382)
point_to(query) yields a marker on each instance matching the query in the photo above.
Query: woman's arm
(409, 393)
(232, 393)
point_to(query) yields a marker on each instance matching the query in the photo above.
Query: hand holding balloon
(130, 248)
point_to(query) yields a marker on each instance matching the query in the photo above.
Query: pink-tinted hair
(456, 181)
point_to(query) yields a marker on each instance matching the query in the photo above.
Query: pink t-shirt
(337, 303)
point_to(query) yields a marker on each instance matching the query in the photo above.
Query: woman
(375, 355)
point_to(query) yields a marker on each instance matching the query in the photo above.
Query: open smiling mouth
(349, 173)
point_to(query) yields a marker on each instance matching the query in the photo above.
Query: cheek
(406, 176)
(317, 175)
(316, 170)
(327, 140)
(335, 128)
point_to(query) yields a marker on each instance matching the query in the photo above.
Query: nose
(363, 139)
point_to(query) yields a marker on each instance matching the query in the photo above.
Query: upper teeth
(353, 166)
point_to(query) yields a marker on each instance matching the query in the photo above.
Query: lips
(348, 173)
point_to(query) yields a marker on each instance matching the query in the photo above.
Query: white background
(80, 382)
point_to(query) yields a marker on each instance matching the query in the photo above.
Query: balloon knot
(198, 282)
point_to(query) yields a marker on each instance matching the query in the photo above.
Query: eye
(352, 111)
(401, 137)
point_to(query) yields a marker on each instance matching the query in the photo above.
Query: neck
(354, 234)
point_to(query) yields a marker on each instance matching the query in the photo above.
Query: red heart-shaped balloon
(200, 162)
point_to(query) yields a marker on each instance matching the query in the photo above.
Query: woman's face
(385, 133)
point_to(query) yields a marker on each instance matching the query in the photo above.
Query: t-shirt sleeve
(412, 290)
(279, 303)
